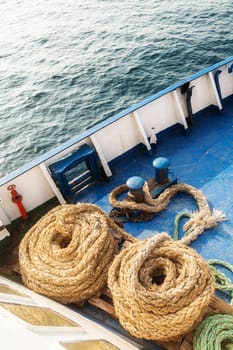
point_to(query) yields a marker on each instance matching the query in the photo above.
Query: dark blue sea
(66, 64)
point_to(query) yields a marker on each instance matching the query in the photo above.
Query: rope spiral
(222, 282)
(67, 253)
(215, 332)
(201, 220)
(160, 288)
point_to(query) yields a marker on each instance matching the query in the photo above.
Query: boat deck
(202, 157)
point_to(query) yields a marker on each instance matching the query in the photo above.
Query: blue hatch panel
(76, 171)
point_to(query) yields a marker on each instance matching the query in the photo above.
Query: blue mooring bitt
(162, 181)
(135, 185)
(161, 166)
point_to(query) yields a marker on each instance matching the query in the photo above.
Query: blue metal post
(135, 185)
(161, 165)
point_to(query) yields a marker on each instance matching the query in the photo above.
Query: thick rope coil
(201, 220)
(66, 255)
(160, 288)
(215, 332)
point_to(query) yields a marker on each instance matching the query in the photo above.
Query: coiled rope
(154, 283)
(222, 282)
(160, 288)
(66, 255)
(201, 220)
(215, 332)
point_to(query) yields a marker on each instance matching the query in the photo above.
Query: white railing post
(142, 130)
(182, 118)
(219, 103)
(101, 155)
(52, 183)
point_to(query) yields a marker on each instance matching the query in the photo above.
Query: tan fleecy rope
(201, 220)
(160, 288)
(67, 253)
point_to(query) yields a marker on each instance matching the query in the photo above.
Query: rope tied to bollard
(199, 221)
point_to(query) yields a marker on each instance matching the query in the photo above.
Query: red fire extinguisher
(17, 199)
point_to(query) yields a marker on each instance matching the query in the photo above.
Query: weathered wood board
(182, 343)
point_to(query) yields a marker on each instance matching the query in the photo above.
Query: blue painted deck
(202, 158)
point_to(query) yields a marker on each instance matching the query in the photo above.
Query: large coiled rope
(66, 255)
(201, 220)
(160, 288)
(215, 332)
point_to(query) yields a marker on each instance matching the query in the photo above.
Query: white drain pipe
(3, 231)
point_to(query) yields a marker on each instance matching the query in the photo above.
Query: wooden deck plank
(182, 343)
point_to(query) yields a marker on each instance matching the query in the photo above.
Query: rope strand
(201, 220)
(215, 332)
(222, 282)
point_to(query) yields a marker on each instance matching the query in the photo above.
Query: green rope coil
(215, 332)
(222, 282)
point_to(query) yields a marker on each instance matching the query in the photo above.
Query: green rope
(222, 282)
(176, 224)
(214, 333)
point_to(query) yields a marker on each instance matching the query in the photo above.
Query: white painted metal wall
(34, 188)
(160, 114)
(117, 138)
(226, 82)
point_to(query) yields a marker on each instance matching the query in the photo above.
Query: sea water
(67, 64)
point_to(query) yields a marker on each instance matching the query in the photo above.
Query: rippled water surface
(66, 64)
